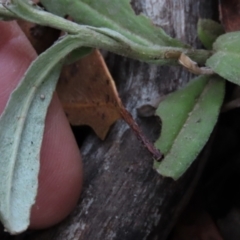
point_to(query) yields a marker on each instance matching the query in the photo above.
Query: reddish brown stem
(157, 155)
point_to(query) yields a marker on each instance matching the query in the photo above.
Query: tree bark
(123, 197)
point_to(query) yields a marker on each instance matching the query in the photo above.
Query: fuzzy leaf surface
(226, 60)
(208, 31)
(115, 15)
(21, 132)
(188, 118)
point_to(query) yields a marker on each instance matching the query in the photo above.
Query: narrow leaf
(188, 118)
(102, 37)
(77, 55)
(115, 15)
(208, 31)
(21, 132)
(226, 60)
(160, 49)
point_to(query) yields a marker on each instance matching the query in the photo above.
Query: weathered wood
(123, 197)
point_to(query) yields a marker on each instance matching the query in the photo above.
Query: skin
(60, 177)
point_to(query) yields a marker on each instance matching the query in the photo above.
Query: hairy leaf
(160, 49)
(21, 132)
(77, 54)
(226, 60)
(188, 118)
(209, 31)
(104, 38)
(115, 15)
(4, 13)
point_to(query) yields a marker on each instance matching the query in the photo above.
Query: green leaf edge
(105, 38)
(184, 148)
(105, 14)
(226, 59)
(208, 31)
(18, 172)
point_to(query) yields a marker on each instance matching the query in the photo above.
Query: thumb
(60, 177)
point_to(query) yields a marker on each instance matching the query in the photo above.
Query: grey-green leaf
(21, 132)
(188, 118)
(226, 60)
(77, 54)
(102, 37)
(115, 15)
(156, 47)
(5, 15)
(208, 31)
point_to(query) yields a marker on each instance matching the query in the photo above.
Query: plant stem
(103, 38)
(157, 155)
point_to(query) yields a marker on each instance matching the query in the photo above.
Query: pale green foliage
(77, 54)
(22, 123)
(103, 37)
(5, 15)
(152, 45)
(226, 60)
(209, 31)
(21, 132)
(188, 118)
(115, 15)
(188, 115)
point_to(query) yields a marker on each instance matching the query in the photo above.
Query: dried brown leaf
(86, 89)
(89, 97)
(88, 94)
